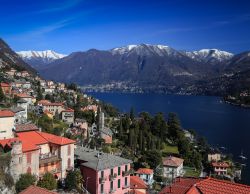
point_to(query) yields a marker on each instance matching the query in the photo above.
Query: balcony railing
(112, 176)
(47, 158)
(126, 173)
(53, 171)
(125, 186)
(102, 180)
(112, 191)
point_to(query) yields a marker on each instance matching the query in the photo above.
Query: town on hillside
(55, 139)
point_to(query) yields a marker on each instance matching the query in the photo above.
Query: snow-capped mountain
(38, 59)
(209, 55)
(145, 50)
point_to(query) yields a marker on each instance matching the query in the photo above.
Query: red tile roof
(36, 190)
(144, 171)
(56, 139)
(6, 113)
(220, 164)
(32, 139)
(172, 161)
(181, 186)
(26, 127)
(23, 95)
(68, 110)
(205, 186)
(4, 85)
(137, 183)
(43, 102)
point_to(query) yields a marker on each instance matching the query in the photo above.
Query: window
(126, 181)
(111, 185)
(69, 163)
(102, 188)
(20, 160)
(119, 183)
(28, 158)
(112, 171)
(102, 174)
(126, 167)
(119, 170)
(69, 150)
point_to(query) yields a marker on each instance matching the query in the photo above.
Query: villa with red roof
(146, 175)
(137, 185)
(204, 186)
(37, 152)
(220, 168)
(172, 167)
(6, 88)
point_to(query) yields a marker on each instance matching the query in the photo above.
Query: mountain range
(144, 66)
(39, 59)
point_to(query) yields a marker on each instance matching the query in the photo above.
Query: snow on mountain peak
(47, 54)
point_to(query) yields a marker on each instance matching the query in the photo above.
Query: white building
(7, 122)
(146, 174)
(172, 167)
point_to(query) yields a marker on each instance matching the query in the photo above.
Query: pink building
(103, 173)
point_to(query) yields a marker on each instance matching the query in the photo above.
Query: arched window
(29, 170)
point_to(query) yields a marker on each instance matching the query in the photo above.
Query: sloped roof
(17, 109)
(137, 183)
(26, 127)
(172, 161)
(144, 171)
(36, 190)
(98, 160)
(205, 186)
(6, 113)
(220, 164)
(4, 84)
(32, 139)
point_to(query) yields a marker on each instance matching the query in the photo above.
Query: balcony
(125, 186)
(102, 180)
(48, 158)
(112, 190)
(53, 171)
(112, 177)
(126, 173)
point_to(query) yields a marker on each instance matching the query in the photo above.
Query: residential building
(25, 97)
(102, 172)
(36, 190)
(37, 152)
(68, 116)
(220, 168)
(137, 185)
(93, 108)
(204, 186)
(53, 107)
(146, 174)
(11, 72)
(6, 88)
(23, 104)
(20, 114)
(7, 122)
(106, 134)
(214, 157)
(172, 167)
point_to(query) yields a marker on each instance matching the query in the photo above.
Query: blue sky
(77, 25)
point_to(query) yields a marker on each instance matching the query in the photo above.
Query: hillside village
(55, 139)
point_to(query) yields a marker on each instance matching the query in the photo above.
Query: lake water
(222, 124)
